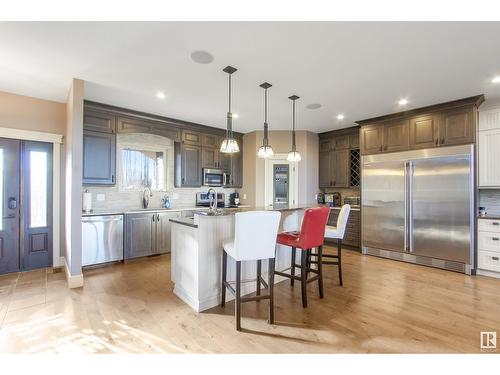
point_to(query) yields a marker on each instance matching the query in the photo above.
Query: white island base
(197, 258)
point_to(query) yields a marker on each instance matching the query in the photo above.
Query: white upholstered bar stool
(337, 233)
(254, 239)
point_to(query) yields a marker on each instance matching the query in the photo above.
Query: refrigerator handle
(406, 204)
(410, 206)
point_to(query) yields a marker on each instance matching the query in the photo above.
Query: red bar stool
(312, 234)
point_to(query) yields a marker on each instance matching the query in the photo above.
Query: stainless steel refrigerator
(418, 207)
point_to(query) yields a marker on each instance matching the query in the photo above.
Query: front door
(25, 205)
(9, 206)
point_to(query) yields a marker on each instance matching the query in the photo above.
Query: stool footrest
(254, 298)
(230, 287)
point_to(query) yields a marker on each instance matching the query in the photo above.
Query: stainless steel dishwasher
(102, 239)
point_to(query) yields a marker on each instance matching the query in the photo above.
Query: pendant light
(265, 151)
(229, 144)
(293, 155)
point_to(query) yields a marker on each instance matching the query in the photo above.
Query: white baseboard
(488, 273)
(74, 281)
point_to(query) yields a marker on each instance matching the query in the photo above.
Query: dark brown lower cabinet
(352, 235)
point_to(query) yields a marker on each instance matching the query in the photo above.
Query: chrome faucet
(212, 199)
(146, 195)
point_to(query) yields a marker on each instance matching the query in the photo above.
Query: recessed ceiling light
(340, 117)
(496, 79)
(202, 57)
(403, 101)
(160, 95)
(313, 106)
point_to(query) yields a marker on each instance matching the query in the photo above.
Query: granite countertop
(490, 217)
(123, 211)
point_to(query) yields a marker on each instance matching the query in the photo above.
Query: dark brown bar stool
(254, 239)
(312, 233)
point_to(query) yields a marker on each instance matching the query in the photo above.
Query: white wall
(73, 180)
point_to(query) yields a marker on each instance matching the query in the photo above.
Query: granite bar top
(187, 221)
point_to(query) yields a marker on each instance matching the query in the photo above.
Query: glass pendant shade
(229, 144)
(293, 155)
(265, 151)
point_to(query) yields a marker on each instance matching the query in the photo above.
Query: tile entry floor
(384, 306)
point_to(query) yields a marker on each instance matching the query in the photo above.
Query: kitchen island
(197, 255)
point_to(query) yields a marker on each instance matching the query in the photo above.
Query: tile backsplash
(490, 198)
(115, 198)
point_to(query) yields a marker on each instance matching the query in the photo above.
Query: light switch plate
(101, 197)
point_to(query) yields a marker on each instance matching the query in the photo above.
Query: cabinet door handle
(158, 217)
(183, 180)
(495, 238)
(494, 258)
(437, 141)
(113, 178)
(442, 141)
(495, 223)
(154, 217)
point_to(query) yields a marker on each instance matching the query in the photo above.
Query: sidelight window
(38, 189)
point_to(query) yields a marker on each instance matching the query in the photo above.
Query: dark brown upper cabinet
(396, 136)
(325, 145)
(456, 127)
(335, 156)
(445, 124)
(372, 139)
(354, 139)
(210, 140)
(341, 168)
(191, 137)
(210, 157)
(99, 121)
(136, 125)
(424, 131)
(325, 169)
(341, 142)
(187, 165)
(99, 158)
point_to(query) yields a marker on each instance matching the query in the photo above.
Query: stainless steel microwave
(216, 177)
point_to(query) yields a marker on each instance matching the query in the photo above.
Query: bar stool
(312, 233)
(254, 239)
(337, 233)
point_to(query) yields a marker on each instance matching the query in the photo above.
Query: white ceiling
(358, 69)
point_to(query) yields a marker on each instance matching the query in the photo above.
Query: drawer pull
(495, 223)
(494, 238)
(494, 258)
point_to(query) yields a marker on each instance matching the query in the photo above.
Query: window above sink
(142, 168)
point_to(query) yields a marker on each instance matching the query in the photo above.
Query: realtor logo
(488, 340)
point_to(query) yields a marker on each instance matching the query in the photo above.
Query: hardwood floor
(384, 306)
